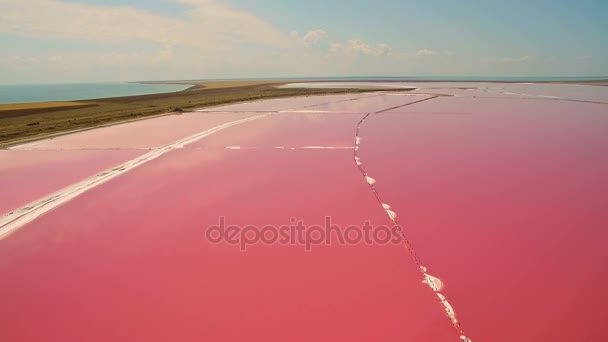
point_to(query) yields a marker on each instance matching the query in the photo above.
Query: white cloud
(24, 60)
(358, 47)
(207, 40)
(55, 58)
(207, 23)
(427, 52)
(515, 59)
(311, 38)
(584, 58)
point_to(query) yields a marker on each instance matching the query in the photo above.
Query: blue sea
(69, 92)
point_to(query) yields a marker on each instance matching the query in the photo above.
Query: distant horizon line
(377, 77)
(349, 78)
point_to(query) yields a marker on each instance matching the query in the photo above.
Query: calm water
(67, 92)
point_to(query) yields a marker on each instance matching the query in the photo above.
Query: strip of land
(27, 122)
(21, 123)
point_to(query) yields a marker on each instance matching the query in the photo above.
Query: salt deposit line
(434, 283)
(236, 148)
(16, 219)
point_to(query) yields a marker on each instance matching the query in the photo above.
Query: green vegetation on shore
(24, 124)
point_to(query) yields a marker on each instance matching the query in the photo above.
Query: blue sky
(46, 41)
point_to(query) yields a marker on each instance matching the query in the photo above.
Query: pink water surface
(140, 134)
(289, 130)
(503, 198)
(286, 103)
(369, 104)
(26, 176)
(505, 204)
(129, 261)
